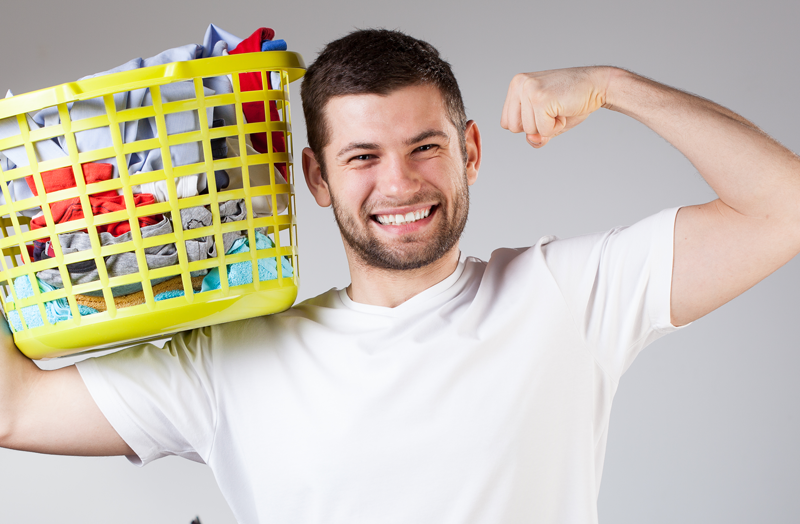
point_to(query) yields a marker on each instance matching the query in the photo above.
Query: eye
(426, 147)
(362, 158)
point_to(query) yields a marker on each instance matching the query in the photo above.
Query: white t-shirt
(484, 399)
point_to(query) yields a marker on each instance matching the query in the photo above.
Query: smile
(411, 216)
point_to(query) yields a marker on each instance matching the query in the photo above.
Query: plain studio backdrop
(705, 423)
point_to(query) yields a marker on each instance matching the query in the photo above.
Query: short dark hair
(375, 61)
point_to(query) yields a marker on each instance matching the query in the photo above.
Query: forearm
(750, 172)
(18, 376)
(49, 411)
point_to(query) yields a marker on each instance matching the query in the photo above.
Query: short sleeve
(160, 400)
(617, 287)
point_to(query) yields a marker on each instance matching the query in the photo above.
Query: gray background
(704, 426)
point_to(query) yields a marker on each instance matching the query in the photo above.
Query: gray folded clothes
(116, 265)
(202, 247)
(197, 217)
(156, 256)
(259, 176)
(232, 211)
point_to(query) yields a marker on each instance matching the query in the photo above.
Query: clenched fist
(547, 103)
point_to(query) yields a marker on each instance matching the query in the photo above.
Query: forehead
(386, 119)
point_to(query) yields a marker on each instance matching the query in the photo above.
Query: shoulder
(575, 259)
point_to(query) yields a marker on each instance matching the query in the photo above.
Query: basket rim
(144, 77)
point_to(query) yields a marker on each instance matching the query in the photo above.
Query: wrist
(614, 78)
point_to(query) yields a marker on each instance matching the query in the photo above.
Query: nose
(397, 180)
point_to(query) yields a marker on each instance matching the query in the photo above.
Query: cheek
(354, 194)
(447, 177)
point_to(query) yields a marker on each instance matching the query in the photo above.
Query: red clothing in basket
(103, 202)
(254, 111)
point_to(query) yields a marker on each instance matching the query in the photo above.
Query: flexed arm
(49, 411)
(722, 248)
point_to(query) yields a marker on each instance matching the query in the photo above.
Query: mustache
(419, 198)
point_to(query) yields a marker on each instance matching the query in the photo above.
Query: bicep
(59, 416)
(720, 253)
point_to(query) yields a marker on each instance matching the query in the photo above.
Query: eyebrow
(411, 141)
(426, 135)
(355, 145)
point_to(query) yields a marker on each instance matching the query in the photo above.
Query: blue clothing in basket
(241, 273)
(56, 310)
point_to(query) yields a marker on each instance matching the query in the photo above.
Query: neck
(390, 288)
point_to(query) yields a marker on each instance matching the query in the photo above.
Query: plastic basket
(116, 322)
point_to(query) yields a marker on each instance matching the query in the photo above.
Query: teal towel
(241, 273)
(56, 310)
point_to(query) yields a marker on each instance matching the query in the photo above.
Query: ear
(473, 143)
(316, 184)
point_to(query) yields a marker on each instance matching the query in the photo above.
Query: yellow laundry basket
(119, 319)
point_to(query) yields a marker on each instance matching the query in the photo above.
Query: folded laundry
(156, 256)
(254, 111)
(38, 248)
(241, 273)
(102, 202)
(232, 211)
(56, 310)
(173, 293)
(217, 42)
(219, 150)
(119, 264)
(64, 178)
(99, 138)
(75, 267)
(161, 291)
(273, 45)
(18, 157)
(181, 154)
(197, 217)
(259, 176)
(202, 247)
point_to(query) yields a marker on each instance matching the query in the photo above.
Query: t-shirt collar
(411, 303)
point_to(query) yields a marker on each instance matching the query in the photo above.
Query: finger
(511, 107)
(560, 123)
(549, 119)
(528, 117)
(511, 102)
(503, 117)
(513, 115)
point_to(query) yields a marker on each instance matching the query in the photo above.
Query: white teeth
(411, 216)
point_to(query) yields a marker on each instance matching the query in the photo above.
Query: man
(433, 388)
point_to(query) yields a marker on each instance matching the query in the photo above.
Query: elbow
(6, 428)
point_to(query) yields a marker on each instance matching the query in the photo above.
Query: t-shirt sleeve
(617, 287)
(160, 400)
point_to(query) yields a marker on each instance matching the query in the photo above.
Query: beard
(411, 252)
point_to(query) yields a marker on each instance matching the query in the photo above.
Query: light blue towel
(169, 294)
(56, 310)
(241, 273)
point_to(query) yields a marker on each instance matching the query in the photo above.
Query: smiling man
(435, 388)
(400, 170)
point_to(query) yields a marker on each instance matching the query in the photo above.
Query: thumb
(550, 123)
(537, 140)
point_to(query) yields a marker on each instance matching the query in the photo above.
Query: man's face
(396, 176)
